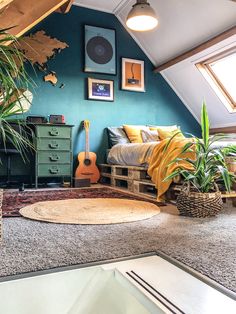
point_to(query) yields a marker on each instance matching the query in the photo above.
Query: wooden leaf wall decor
(39, 48)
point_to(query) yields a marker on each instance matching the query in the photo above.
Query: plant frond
(205, 125)
(209, 165)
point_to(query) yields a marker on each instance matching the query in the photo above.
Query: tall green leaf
(226, 177)
(209, 165)
(13, 79)
(205, 125)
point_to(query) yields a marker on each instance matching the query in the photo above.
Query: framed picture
(100, 89)
(100, 50)
(133, 75)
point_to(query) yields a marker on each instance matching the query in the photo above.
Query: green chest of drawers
(53, 156)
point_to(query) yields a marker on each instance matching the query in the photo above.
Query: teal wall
(158, 105)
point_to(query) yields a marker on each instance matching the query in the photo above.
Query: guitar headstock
(86, 124)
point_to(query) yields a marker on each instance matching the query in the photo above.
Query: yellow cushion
(164, 127)
(134, 132)
(163, 134)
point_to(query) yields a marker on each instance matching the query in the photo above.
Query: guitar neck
(86, 143)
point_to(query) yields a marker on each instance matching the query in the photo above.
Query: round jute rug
(90, 211)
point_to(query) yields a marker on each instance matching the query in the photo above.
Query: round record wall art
(100, 50)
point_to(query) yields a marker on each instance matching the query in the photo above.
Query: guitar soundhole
(87, 162)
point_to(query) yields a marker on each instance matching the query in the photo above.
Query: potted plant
(200, 195)
(14, 95)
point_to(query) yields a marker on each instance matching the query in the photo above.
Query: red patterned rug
(13, 201)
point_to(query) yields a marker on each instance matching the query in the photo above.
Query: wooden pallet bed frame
(136, 180)
(126, 177)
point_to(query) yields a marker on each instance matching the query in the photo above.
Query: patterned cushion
(149, 136)
(117, 135)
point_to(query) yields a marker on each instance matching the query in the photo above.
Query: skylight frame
(214, 80)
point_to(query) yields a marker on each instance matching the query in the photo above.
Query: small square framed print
(133, 75)
(100, 89)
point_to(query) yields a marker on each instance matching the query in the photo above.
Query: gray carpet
(207, 245)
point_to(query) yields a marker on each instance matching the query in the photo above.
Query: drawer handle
(53, 145)
(54, 171)
(54, 132)
(54, 158)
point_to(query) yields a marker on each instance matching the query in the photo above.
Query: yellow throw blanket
(158, 163)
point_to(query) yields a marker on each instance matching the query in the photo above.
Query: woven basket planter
(200, 205)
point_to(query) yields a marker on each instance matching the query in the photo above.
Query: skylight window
(220, 72)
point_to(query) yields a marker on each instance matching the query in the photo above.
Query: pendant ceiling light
(141, 17)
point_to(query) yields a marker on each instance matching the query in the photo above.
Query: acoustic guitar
(87, 168)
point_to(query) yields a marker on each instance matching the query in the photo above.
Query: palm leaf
(205, 125)
(226, 177)
(209, 166)
(14, 79)
(172, 175)
(170, 140)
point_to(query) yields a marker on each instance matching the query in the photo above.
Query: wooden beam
(213, 41)
(228, 129)
(24, 14)
(65, 8)
(4, 3)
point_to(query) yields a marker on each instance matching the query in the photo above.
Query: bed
(130, 145)
(153, 155)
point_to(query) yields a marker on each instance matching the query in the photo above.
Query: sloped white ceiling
(192, 87)
(100, 5)
(183, 24)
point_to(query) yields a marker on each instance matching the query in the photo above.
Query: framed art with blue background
(100, 89)
(100, 50)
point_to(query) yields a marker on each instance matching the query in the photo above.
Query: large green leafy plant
(209, 165)
(13, 82)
